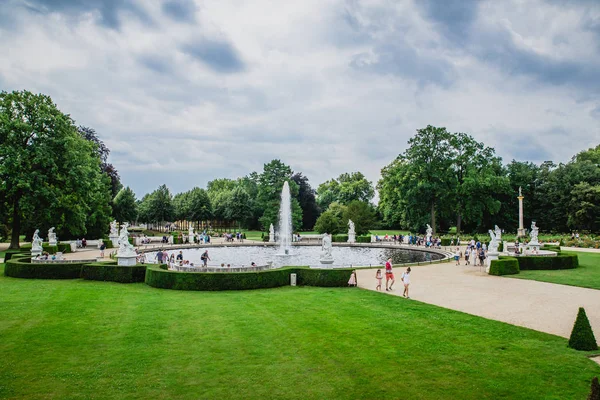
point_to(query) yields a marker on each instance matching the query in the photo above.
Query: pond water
(301, 256)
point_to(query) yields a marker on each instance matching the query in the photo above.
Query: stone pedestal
(351, 238)
(36, 252)
(271, 237)
(491, 256)
(126, 261)
(533, 248)
(73, 247)
(326, 260)
(521, 230)
(114, 240)
(53, 242)
(191, 238)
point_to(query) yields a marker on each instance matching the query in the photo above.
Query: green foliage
(561, 261)
(594, 390)
(22, 267)
(340, 238)
(239, 206)
(362, 214)
(124, 205)
(157, 206)
(345, 189)
(110, 271)
(504, 266)
(582, 336)
(161, 278)
(363, 239)
(51, 174)
(328, 222)
(270, 184)
(307, 201)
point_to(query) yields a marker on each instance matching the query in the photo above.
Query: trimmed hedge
(22, 267)
(363, 239)
(157, 276)
(62, 247)
(561, 261)
(582, 336)
(504, 266)
(339, 238)
(110, 271)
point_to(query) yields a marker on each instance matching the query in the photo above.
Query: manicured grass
(87, 339)
(586, 275)
(390, 232)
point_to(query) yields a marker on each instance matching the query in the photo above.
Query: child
(406, 281)
(467, 254)
(352, 280)
(457, 256)
(379, 278)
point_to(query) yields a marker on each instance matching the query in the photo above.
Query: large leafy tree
(238, 206)
(270, 184)
(49, 174)
(124, 205)
(362, 214)
(103, 152)
(200, 208)
(346, 188)
(157, 206)
(307, 201)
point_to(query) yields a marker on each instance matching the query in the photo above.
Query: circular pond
(302, 256)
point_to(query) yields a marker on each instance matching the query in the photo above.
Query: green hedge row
(160, 278)
(62, 247)
(561, 261)
(504, 266)
(110, 271)
(21, 267)
(339, 238)
(363, 239)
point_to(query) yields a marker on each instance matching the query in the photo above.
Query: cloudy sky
(185, 91)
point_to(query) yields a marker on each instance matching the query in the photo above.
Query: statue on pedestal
(36, 243)
(494, 242)
(52, 237)
(534, 234)
(326, 246)
(114, 233)
(351, 232)
(191, 235)
(271, 234)
(125, 248)
(429, 233)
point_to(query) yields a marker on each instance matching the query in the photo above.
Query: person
(389, 275)
(83, 243)
(172, 258)
(379, 278)
(406, 281)
(159, 256)
(457, 256)
(102, 248)
(205, 258)
(352, 280)
(481, 256)
(467, 254)
(180, 256)
(253, 264)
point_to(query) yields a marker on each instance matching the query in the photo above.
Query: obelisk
(521, 230)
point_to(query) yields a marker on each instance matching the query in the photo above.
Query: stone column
(521, 230)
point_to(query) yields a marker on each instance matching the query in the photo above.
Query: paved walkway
(545, 307)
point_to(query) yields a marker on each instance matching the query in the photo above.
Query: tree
(200, 208)
(157, 206)
(124, 205)
(49, 174)
(346, 188)
(307, 201)
(103, 152)
(239, 206)
(584, 208)
(362, 214)
(270, 184)
(328, 222)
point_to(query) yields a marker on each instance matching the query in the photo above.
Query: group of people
(230, 237)
(390, 279)
(81, 243)
(177, 260)
(475, 251)
(411, 239)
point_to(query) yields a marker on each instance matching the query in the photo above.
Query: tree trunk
(458, 222)
(433, 217)
(16, 224)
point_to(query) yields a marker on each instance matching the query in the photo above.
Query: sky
(183, 92)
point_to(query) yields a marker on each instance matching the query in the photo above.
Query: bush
(594, 390)
(22, 267)
(157, 276)
(8, 254)
(110, 271)
(561, 261)
(363, 239)
(504, 266)
(582, 336)
(447, 241)
(339, 238)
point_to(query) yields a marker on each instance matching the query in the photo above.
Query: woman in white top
(406, 281)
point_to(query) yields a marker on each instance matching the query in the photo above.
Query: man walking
(389, 275)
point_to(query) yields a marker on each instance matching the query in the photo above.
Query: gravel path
(545, 307)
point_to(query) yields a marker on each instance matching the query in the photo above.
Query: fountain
(285, 221)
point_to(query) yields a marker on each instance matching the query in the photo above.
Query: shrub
(22, 267)
(504, 266)
(363, 239)
(339, 238)
(8, 254)
(110, 271)
(561, 261)
(447, 241)
(582, 337)
(595, 390)
(157, 276)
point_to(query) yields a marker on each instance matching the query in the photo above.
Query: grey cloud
(180, 10)
(109, 10)
(454, 17)
(595, 112)
(155, 63)
(220, 56)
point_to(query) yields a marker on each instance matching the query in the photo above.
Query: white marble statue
(52, 237)
(114, 229)
(494, 242)
(429, 233)
(351, 232)
(36, 243)
(326, 246)
(533, 235)
(498, 233)
(125, 248)
(271, 234)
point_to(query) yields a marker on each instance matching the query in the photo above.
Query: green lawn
(586, 275)
(84, 339)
